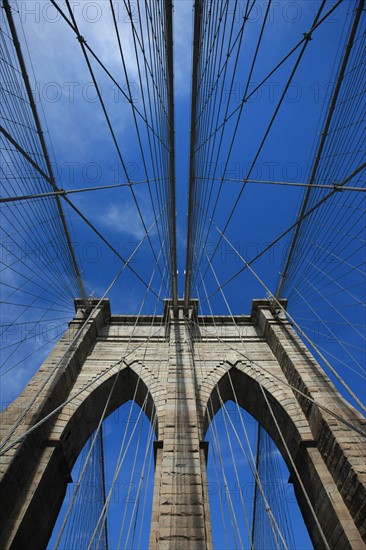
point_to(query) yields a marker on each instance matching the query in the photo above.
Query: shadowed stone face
(189, 367)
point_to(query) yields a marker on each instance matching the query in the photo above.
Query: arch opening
(273, 414)
(63, 442)
(105, 398)
(252, 502)
(256, 398)
(109, 502)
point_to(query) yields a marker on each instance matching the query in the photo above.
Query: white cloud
(183, 37)
(123, 219)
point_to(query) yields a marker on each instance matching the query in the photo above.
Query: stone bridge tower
(192, 364)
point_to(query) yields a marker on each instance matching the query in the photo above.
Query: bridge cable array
(43, 275)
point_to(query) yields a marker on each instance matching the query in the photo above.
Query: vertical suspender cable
(104, 493)
(191, 192)
(172, 205)
(255, 499)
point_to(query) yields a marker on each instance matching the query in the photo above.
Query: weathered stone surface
(186, 373)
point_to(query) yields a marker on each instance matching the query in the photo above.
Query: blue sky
(84, 155)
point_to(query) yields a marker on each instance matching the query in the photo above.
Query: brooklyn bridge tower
(233, 416)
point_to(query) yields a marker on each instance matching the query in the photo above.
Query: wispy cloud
(124, 218)
(183, 25)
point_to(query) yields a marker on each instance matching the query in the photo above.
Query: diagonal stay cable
(13, 31)
(292, 320)
(121, 362)
(284, 233)
(275, 69)
(253, 467)
(138, 132)
(216, 149)
(323, 139)
(120, 89)
(307, 39)
(295, 469)
(342, 420)
(72, 205)
(81, 41)
(74, 339)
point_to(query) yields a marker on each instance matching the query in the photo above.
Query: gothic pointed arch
(114, 390)
(43, 491)
(274, 405)
(251, 390)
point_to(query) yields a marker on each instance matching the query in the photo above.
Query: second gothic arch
(251, 389)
